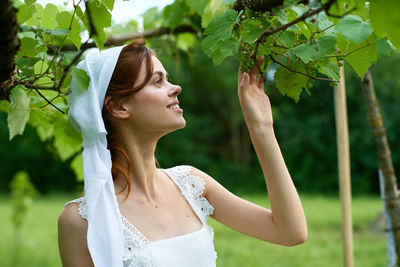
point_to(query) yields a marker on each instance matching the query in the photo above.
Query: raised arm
(285, 223)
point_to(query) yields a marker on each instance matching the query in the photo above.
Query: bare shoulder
(72, 241)
(70, 219)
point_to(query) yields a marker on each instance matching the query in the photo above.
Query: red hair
(122, 84)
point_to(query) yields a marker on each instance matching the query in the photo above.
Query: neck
(143, 173)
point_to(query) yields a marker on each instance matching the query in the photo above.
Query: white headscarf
(104, 236)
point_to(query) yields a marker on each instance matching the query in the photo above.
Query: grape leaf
(331, 70)
(77, 167)
(18, 111)
(150, 19)
(28, 47)
(67, 141)
(25, 12)
(383, 47)
(185, 40)
(213, 9)
(64, 19)
(108, 4)
(101, 18)
(251, 30)
(225, 49)
(354, 28)
(173, 14)
(81, 77)
(361, 59)
(385, 19)
(287, 38)
(309, 52)
(49, 16)
(218, 30)
(26, 61)
(197, 5)
(290, 83)
(36, 17)
(29, 2)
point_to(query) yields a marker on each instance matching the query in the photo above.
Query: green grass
(323, 247)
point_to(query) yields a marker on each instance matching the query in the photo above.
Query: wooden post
(342, 137)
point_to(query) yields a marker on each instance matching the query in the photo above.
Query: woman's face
(152, 107)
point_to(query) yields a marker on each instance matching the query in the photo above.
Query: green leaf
(290, 83)
(197, 5)
(218, 30)
(28, 47)
(29, 2)
(287, 38)
(225, 48)
(108, 3)
(213, 9)
(63, 21)
(251, 30)
(331, 70)
(67, 141)
(383, 47)
(385, 19)
(25, 12)
(26, 61)
(361, 59)
(49, 16)
(36, 17)
(18, 111)
(354, 28)
(173, 14)
(185, 41)
(151, 19)
(309, 52)
(101, 18)
(77, 167)
(82, 79)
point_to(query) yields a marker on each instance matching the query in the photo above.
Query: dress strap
(81, 206)
(192, 187)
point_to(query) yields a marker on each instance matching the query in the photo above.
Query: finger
(253, 74)
(260, 82)
(240, 75)
(260, 60)
(244, 82)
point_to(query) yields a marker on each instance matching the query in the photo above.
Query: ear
(116, 108)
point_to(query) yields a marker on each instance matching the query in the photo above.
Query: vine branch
(270, 32)
(302, 73)
(49, 102)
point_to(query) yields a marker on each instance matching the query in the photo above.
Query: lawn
(323, 247)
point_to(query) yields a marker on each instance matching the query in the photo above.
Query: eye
(158, 81)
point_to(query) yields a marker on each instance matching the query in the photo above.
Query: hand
(254, 102)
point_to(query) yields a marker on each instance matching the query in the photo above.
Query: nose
(175, 90)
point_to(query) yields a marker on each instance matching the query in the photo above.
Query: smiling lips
(176, 108)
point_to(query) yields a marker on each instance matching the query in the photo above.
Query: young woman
(163, 212)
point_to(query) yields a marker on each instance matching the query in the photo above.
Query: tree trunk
(385, 159)
(9, 45)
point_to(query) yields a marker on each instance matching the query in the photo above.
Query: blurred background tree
(216, 139)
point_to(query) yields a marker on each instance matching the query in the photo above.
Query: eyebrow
(160, 74)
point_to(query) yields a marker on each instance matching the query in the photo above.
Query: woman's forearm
(287, 210)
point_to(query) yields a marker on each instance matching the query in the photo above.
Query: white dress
(194, 249)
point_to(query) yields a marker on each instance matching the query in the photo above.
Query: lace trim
(137, 249)
(131, 229)
(192, 187)
(81, 207)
